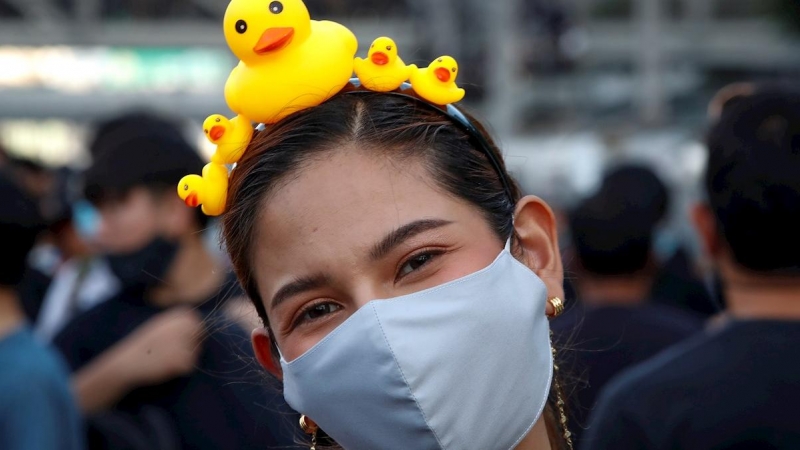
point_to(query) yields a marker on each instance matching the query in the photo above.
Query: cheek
(480, 258)
(124, 230)
(481, 251)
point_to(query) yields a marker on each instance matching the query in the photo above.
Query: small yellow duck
(437, 82)
(209, 190)
(231, 137)
(288, 62)
(383, 70)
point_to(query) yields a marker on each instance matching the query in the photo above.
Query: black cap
(138, 150)
(612, 230)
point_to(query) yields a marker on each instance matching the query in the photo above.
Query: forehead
(136, 197)
(338, 206)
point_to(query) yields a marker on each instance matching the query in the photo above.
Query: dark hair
(20, 223)
(752, 180)
(612, 230)
(139, 150)
(110, 132)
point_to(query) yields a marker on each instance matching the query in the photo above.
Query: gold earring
(309, 427)
(558, 307)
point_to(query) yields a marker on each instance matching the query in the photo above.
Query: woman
(383, 196)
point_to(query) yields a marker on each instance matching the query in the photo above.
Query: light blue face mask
(464, 365)
(86, 219)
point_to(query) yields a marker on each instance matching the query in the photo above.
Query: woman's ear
(536, 228)
(262, 347)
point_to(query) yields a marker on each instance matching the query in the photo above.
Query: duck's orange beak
(274, 39)
(191, 200)
(217, 131)
(442, 74)
(380, 59)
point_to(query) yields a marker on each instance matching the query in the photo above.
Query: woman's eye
(320, 310)
(414, 263)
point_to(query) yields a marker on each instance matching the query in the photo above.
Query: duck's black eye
(454, 70)
(185, 187)
(276, 7)
(389, 48)
(218, 119)
(440, 60)
(241, 26)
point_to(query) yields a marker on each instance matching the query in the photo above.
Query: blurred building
(570, 84)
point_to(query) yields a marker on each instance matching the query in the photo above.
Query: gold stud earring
(309, 427)
(558, 307)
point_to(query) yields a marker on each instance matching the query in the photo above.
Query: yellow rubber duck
(437, 82)
(383, 70)
(288, 62)
(230, 136)
(209, 190)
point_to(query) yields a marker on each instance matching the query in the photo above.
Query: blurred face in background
(132, 221)
(37, 182)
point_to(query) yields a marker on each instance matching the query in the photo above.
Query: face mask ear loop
(281, 355)
(511, 237)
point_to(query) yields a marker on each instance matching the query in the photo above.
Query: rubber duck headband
(289, 63)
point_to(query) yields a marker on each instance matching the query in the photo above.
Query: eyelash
(432, 253)
(300, 318)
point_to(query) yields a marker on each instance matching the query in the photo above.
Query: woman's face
(352, 228)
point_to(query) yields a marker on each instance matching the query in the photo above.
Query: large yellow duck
(383, 70)
(288, 62)
(209, 190)
(230, 136)
(437, 82)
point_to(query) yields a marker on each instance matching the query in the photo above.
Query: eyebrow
(299, 286)
(378, 251)
(402, 234)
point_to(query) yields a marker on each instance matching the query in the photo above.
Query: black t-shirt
(737, 387)
(598, 342)
(223, 404)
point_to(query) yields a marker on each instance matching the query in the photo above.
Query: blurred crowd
(116, 278)
(662, 354)
(122, 327)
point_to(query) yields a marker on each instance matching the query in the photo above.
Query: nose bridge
(366, 290)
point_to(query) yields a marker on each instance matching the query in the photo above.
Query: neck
(627, 290)
(536, 439)
(195, 275)
(11, 315)
(757, 297)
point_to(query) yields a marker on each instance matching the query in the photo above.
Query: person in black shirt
(738, 385)
(615, 325)
(159, 365)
